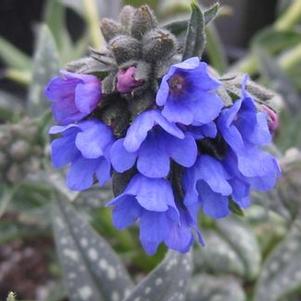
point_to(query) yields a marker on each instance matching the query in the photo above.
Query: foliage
(255, 257)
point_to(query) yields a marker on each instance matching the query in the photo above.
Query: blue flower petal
(212, 172)
(153, 159)
(183, 151)
(93, 139)
(121, 159)
(154, 229)
(63, 150)
(214, 204)
(139, 129)
(103, 171)
(126, 212)
(80, 175)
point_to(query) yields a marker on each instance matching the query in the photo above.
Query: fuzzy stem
(92, 18)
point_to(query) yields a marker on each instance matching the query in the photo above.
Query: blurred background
(255, 257)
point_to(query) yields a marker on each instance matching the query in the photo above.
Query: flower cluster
(184, 153)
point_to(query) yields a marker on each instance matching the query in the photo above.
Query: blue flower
(73, 96)
(152, 203)
(85, 146)
(188, 93)
(153, 141)
(207, 183)
(246, 131)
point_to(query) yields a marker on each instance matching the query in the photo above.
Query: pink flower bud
(273, 119)
(126, 81)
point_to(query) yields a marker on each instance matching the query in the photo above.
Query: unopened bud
(126, 81)
(159, 44)
(143, 21)
(125, 48)
(110, 29)
(273, 120)
(19, 150)
(126, 16)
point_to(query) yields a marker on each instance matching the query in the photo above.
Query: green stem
(92, 18)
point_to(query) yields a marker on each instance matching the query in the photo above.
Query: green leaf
(195, 37)
(215, 49)
(244, 242)
(92, 270)
(211, 13)
(46, 65)
(179, 26)
(276, 41)
(167, 282)
(210, 288)
(12, 56)
(55, 20)
(281, 273)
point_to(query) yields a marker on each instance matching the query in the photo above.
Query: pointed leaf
(195, 37)
(55, 19)
(92, 270)
(244, 242)
(167, 282)
(281, 273)
(179, 26)
(45, 65)
(210, 288)
(12, 56)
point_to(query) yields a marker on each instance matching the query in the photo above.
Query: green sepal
(235, 208)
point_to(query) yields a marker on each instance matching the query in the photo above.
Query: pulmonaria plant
(147, 112)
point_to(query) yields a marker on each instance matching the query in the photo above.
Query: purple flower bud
(73, 96)
(126, 81)
(273, 119)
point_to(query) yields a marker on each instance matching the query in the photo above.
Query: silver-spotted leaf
(167, 282)
(92, 270)
(243, 240)
(218, 256)
(45, 65)
(209, 288)
(281, 273)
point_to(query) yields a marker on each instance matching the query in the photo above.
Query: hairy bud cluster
(20, 151)
(138, 52)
